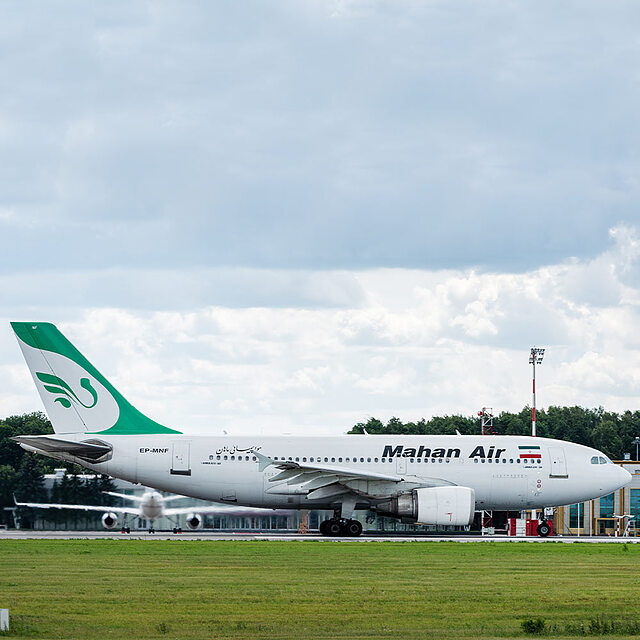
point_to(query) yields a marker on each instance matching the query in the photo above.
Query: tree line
(607, 431)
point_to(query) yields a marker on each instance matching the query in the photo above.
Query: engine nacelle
(194, 520)
(109, 520)
(432, 505)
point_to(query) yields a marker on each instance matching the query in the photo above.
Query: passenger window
(361, 459)
(233, 457)
(375, 459)
(333, 459)
(510, 460)
(297, 459)
(439, 459)
(475, 460)
(326, 459)
(225, 457)
(369, 460)
(339, 459)
(304, 459)
(310, 459)
(411, 460)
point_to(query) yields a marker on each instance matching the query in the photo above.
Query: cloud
(411, 343)
(346, 135)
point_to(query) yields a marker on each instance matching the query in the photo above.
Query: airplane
(151, 506)
(425, 479)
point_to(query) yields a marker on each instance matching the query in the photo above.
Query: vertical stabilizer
(76, 397)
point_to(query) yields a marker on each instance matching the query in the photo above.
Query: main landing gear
(340, 527)
(544, 528)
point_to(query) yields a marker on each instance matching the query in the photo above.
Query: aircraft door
(401, 465)
(180, 463)
(558, 463)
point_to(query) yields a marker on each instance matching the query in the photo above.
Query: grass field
(316, 589)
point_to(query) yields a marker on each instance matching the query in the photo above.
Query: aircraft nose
(623, 477)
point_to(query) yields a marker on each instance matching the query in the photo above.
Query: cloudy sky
(290, 216)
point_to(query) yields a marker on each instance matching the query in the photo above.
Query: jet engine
(194, 520)
(432, 505)
(109, 520)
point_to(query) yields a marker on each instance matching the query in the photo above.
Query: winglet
(263, 460)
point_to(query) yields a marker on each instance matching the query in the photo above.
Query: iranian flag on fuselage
(531, 451)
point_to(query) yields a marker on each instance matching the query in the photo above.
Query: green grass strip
(324, 589)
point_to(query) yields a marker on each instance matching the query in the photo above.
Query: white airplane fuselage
(224, 469)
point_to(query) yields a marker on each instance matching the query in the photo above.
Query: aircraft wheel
(323, 527)
(334, 528)
(175, 530)
(543, 529)
(352, 528)
(128, 530)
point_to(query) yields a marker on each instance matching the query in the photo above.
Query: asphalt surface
(24, 534)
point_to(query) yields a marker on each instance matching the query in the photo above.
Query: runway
(23, 534)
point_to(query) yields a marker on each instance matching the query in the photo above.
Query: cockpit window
(604, 460)
(594, 460)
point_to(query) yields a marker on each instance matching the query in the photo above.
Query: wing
(80, 507)
(319, 482)
(227, 509)
(123, 495)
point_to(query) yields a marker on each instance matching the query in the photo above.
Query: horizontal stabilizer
(88, 449)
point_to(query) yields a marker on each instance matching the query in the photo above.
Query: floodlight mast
(535, 357)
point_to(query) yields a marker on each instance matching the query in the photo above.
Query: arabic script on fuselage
(234, 449)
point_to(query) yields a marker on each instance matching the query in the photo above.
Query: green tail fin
(75, 394)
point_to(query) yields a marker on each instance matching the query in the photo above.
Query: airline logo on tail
(56, 385)
(73, 398)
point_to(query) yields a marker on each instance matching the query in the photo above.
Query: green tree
(605, 438)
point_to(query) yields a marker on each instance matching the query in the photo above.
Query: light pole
(535, 358)
(636, 442)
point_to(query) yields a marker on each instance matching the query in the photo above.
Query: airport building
(601, 516)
